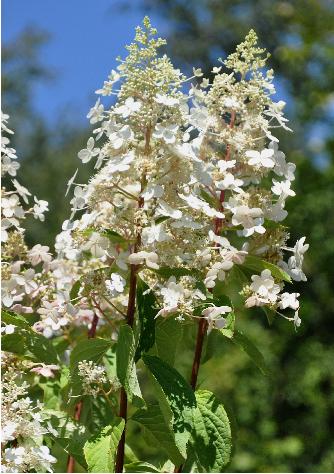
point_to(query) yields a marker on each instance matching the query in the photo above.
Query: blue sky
(86, 37)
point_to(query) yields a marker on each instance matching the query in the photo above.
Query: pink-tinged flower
(45, 370)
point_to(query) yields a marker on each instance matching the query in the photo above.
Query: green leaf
(257, 264)
(113, 236)
(228, 330)
(40, 347)
(9, 317)
(147, 310)
(154, 422)
(75, 290)
(25, 339)
(252, 351)
(13, 343)
(211, 438)
(167, 338)
(140, 466)
(125, 364)
(175, 397)
(178, 272)
(89, 349)
(100, 451)
(269, 313)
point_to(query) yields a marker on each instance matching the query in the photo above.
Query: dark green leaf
(125, 365)
(154, 422)
(13, 343)
(147, 310)
(175, 397)
(211, 438)
(140, 466)
(257, 264)
(167, 338)
(251, 350)
(9, 317)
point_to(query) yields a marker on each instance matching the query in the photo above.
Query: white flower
(276, 211)
(23, 192)
(230, 182)
(113, 77)
(71, 181)
(65, 245)
(15, 455)
(216, 70)
(11, 206)
(289, 300)
(97, 245)
(150, 258)
(196, 203)
(39, 253)
(187, 223)
(165, 209)
(299, 249)
(8, 430)
(249, 218)
(218, 270)
(120, 164)
(39, 208)
(199, 117)
(224, 165)
(197, 72)
(79, 199)
(263, 158)
(166, 132)
(88, 153)
(231, 103)
(116, 284)
(282, 189)
(26, 279)
(213, 315)
(166, 100)
(96, 113)
(43, 457)
(172, 294)
(9, 166)
(129, 107)
(121, 136)
(8, 329)
(152, 191)
(154, 233)
(264, 286)
(282, 168)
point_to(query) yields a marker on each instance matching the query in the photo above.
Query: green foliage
(153, 420)
(147, 310)
(251, 350)
(125, 366)
(257, 265)
(100, 450)
(168, 337)
(211, 438)
(175, 397)
(26, 341)
(140, 467)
